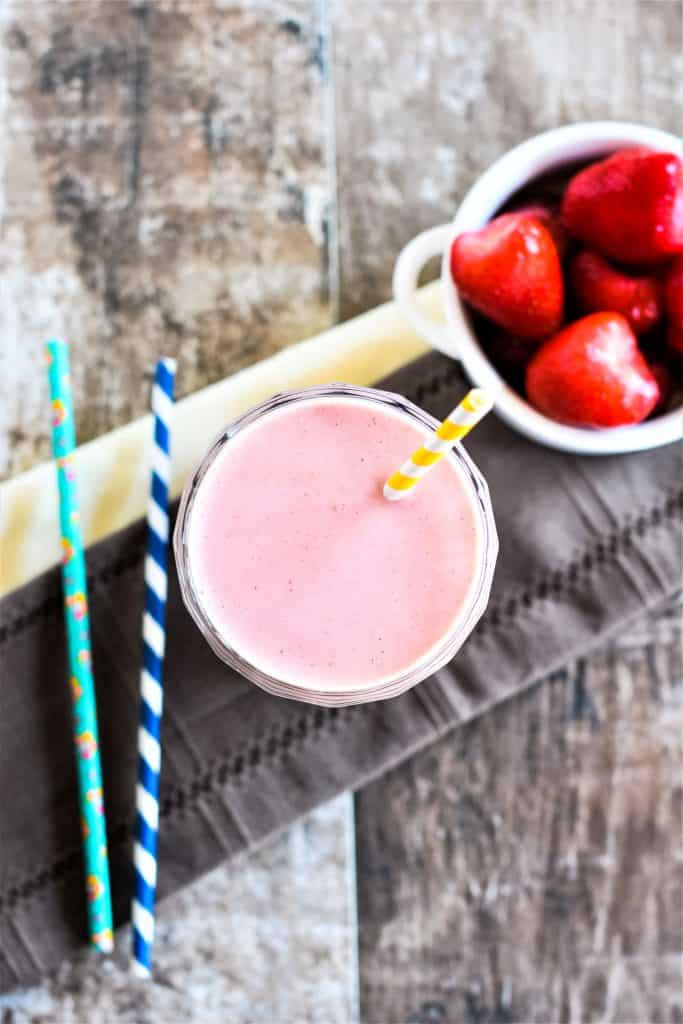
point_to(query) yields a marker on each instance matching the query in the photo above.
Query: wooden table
(215, 180)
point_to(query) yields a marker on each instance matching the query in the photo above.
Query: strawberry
(592, 374)
(674, 305)
(510, 270)
(598, 286)
(549, 217)
(508, 351)
(629, 207)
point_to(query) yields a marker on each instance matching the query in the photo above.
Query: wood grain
(166, 190)
(247, 944)
(167, 186)
(529, 867)
(429, 92)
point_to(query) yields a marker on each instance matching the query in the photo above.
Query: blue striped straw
(151, 690)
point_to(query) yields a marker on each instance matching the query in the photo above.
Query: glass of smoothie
(304, 577)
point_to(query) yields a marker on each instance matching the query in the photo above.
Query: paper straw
(457, 425)
(88, 766)
(151, 691)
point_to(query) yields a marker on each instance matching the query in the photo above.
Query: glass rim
(391, 685)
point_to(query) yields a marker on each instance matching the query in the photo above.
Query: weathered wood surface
(429, 92)
(168, 186)
(528, 868)
(166, 190)
(167, 182)
(266, 939)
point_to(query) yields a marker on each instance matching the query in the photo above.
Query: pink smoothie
(302, 565)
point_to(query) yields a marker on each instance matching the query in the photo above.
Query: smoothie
(303, 568)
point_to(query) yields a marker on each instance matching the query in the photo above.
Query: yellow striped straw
(457, 425)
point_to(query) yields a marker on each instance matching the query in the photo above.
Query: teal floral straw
(78, 636)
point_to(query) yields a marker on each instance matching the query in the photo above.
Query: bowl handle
(410, 262)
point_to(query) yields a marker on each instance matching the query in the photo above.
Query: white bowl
(536, 156)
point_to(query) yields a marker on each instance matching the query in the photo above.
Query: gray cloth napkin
(585, 544)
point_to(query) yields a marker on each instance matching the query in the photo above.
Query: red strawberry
(508, 351)
(510, 270)
(674, 305)
(629, 207)
(550, 219)
(592, 374)
(598, 287)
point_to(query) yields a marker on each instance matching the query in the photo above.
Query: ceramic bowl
(521, 165)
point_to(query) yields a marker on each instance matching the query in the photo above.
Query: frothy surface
(306, 569)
